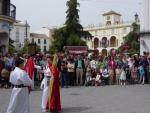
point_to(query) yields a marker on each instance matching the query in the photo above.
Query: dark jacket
(76, 64)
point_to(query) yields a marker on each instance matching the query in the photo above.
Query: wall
(18, 34)
(42, 43)
(144, 43)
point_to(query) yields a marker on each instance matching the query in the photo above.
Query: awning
(77, 51)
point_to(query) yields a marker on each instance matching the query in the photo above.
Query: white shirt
(20, 77)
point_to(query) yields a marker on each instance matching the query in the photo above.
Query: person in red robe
(29, 67)
(54, 103)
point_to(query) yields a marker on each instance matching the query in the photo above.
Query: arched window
(113, 41)
(104, 42)
(96, 43)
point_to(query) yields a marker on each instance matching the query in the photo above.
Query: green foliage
(75, 40)
(132, 39)
(24, 49)
(38, 49)
(11, 48)
(72, 32)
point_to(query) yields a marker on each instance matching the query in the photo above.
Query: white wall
(18, 34)
(145, 23)
(145, 43)
(41, 44)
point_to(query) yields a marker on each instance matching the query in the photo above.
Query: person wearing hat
(19, 100)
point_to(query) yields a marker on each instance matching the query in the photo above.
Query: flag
(54, 90)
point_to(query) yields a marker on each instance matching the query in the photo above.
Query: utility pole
(26, 32)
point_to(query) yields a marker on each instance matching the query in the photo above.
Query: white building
(48, 31)
(7, 18)
(20, 32)
(109, 35)
(42, 40)
(145, 28)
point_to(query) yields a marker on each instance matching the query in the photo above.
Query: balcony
(9, 14)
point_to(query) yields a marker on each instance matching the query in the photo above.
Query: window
(108, 17)
(44, 48)
(44, 41)
(104, 42)
(39, 41)
(32, 40)
(108, 23)
(96, 43)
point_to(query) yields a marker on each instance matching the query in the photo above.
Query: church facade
(109, 35)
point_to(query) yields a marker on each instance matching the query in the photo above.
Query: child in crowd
(105, 76)
(123, 77)
(134, 73)
(142, 74)
(98, 79)
(118, 73)
(88, 75)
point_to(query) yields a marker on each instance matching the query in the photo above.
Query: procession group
(21, 79)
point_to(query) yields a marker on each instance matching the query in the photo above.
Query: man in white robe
(19, 100)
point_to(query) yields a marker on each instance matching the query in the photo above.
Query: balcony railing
(9, 11)
(12, 11)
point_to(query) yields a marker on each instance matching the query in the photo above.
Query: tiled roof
(111, 12)
(37, 35)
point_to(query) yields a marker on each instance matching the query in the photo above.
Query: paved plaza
(106, 99)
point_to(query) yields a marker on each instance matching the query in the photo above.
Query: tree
(11, 47)
(72, 32)
(132, 39)
(25, 48)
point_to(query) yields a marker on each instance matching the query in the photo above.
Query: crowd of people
(78, 70)
(23, 72)
(98, 70)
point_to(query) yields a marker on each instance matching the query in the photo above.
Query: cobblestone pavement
(106, 99)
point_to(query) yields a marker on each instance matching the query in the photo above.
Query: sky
(51, 13)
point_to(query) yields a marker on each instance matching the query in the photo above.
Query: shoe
(44, 110)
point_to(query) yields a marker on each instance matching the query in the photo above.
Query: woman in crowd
(142, 74)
